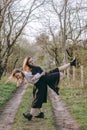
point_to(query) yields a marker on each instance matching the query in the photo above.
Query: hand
(20, 82)
(33, 79)
(25, 82)
(43, 73)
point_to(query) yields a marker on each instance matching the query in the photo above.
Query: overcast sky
(35, 27)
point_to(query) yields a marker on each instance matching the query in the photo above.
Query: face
(19, 75)
(19, 78)
(31, 61)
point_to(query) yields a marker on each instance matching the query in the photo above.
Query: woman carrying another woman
(35, 75)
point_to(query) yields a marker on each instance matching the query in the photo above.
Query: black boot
(27, 116)
(57, 90)
(73, 62)
(40, 115)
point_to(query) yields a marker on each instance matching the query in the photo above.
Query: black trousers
(40, 94)
(51, 79)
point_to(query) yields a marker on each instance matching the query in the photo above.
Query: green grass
(6, 91)
(36, 124)
(76, 98)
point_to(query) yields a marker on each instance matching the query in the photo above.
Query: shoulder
(36, 67)
(25, 73)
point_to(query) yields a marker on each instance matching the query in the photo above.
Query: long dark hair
(26, 65)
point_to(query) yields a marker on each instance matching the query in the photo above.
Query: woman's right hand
(43, 73)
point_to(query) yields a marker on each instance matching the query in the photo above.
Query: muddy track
(63, 118)
(8, 115)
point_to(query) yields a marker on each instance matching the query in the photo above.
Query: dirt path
(63, 118)
(8, 115)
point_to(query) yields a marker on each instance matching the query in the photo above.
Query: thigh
(61, 75)
(53, 77)
(40, 96)
(53, 71)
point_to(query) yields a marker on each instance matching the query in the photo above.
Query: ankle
(28, 116)
(73, 62)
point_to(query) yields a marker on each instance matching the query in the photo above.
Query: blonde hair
(25, 64)
(12, 77)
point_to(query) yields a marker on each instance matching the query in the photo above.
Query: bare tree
(68, 18)
(49, 48)
(72, 25)
(13, 20)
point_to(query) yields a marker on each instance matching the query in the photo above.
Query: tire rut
(10, 110)
(63, 119)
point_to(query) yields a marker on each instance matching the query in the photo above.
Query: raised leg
(64, 67)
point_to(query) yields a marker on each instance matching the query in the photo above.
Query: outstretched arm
(37, 76)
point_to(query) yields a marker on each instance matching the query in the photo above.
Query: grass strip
(76, 98)
(6, 92)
